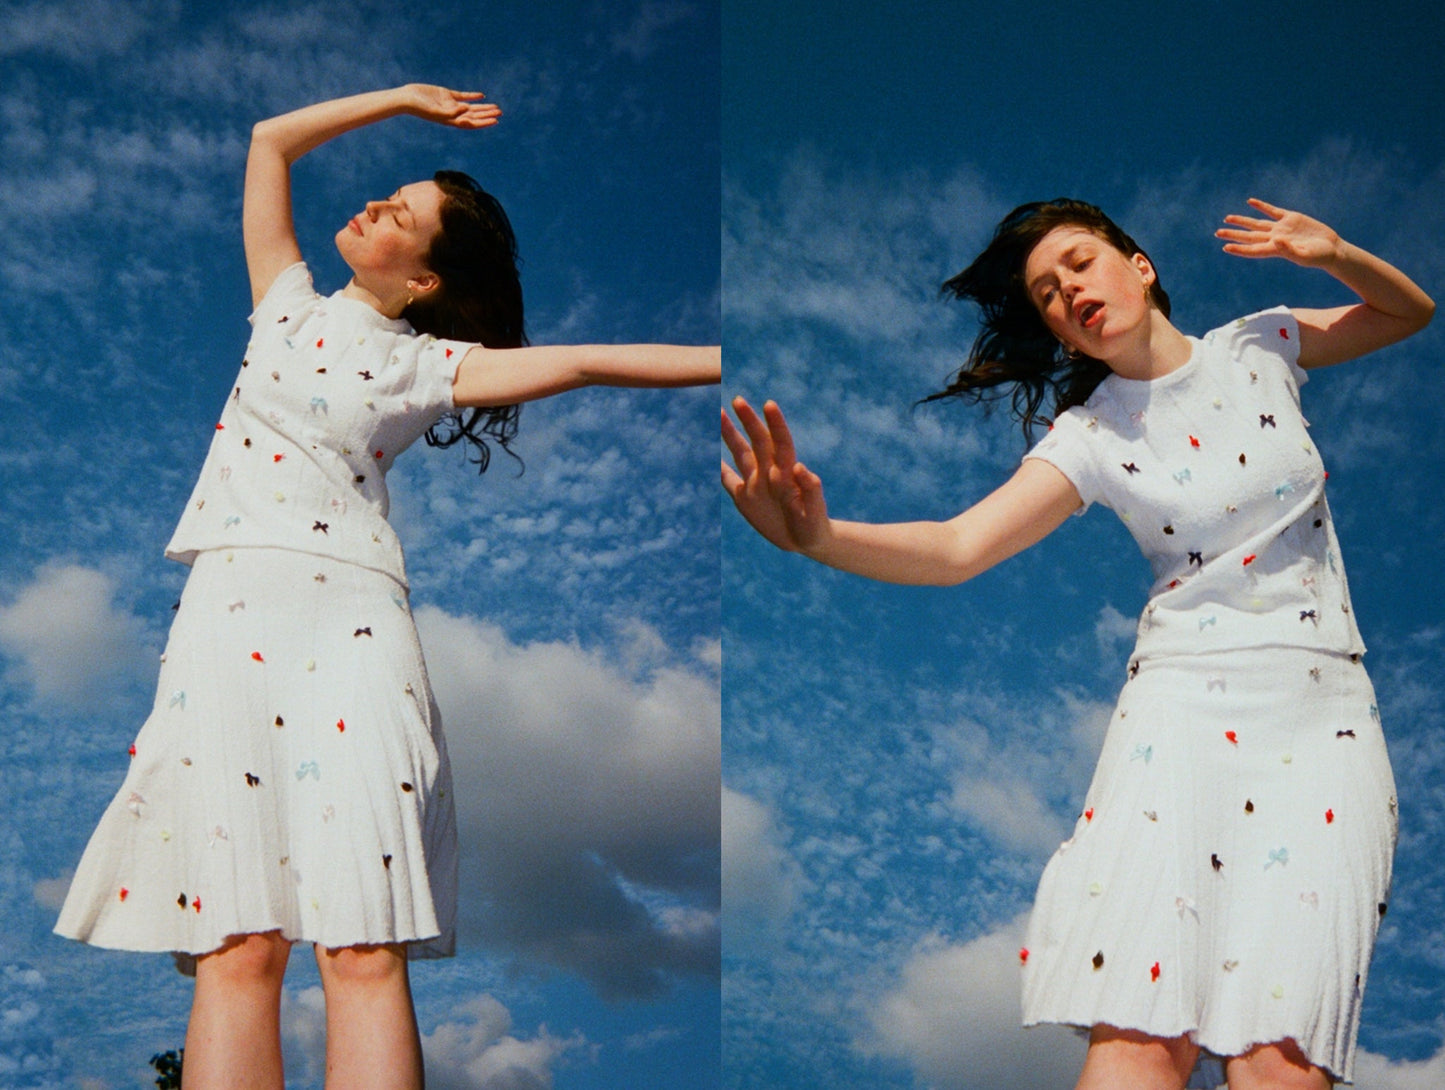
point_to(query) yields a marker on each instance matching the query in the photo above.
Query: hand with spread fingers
(1290, 235)
(780, 497)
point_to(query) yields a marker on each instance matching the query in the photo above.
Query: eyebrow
(1064, 259)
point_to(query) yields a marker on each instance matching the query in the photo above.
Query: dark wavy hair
(1014, 347)
(480, 299)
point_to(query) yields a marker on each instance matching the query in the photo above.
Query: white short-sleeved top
(1212, 469)
(330, 392)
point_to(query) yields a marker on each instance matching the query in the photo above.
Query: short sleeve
(1273, 332)
(1068, 448)
(291, 291)
(436, 369)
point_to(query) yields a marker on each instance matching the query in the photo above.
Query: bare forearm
(648, 364)
(505, 376)
(293, 134)
(913, 553)
(1379, 284)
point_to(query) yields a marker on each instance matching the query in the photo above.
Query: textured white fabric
(291, 776)
(329, 393)
(1228, 873)
(1225, 495)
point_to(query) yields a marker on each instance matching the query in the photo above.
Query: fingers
(784, 453)
(737, 446)
(758, 434)
(1268, 209)
(730, 480)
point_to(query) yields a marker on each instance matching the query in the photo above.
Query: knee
(1282, 1065)
(362, 966)
(247, 959)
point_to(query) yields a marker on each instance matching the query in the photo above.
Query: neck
(387, 309)
(1156, 349)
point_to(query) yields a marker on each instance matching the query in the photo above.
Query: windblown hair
(1014, 347)
(480, 299)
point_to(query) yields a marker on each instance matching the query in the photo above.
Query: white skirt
(1230, 869)
(291, 777)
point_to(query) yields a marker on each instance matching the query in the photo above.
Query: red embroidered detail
(1173, 583)
(1249, 559)
(449, 356)
(131, 751)
(124, 893)
(1329, 817)
(1154, 971)
(196, 904)
(1024, 955)
(1193, 442)
(257, 656)
(1232, 737)
(1283, 332)
(379, 454)
(220, 427)
(320, 341)
(277, 457)
(1089, 814)
(341, 725)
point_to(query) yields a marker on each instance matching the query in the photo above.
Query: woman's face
(386, 245)
(1088, 293)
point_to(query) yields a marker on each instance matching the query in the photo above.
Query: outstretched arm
(783, 500)
(1392, 305)
(489, 377)
(276, 143)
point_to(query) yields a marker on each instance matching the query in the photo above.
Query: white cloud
(66, 641)
(1376, 1072)
(480, 1052)
(50, 892)
(760, 880)
(953, 1017)
(587, 794)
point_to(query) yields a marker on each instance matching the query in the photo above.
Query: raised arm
(505, 376)
(783, 500)
(1392, 306)
(266, 223)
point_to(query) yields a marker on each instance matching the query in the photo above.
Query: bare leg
(1278, 1066)
(371, 1033)
(233, 1040)
(1125, 1058)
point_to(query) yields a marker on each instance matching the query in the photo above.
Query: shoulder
(290, 291)
(1273, 330)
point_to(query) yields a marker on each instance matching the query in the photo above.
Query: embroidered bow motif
(319, 525)
(363, 631)
(1184, 475)
(1277, 855)
(1130, 468)
(1344, 734)
(1207, 621)
(1215, 681)
(231, 607)
(1196, 557)
(1142, 752)
(1267, 420)
(1308, 615)
(178, 698)
(135, 803)
(231, 520)
(308, 768)
(318, 404)
(1283, 490)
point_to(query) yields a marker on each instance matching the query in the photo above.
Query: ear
(1146, 270)
(423, 284)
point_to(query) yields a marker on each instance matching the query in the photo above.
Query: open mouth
(1088, 313)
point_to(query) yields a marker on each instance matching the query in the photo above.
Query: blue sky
(570, 615)
(900, 762)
